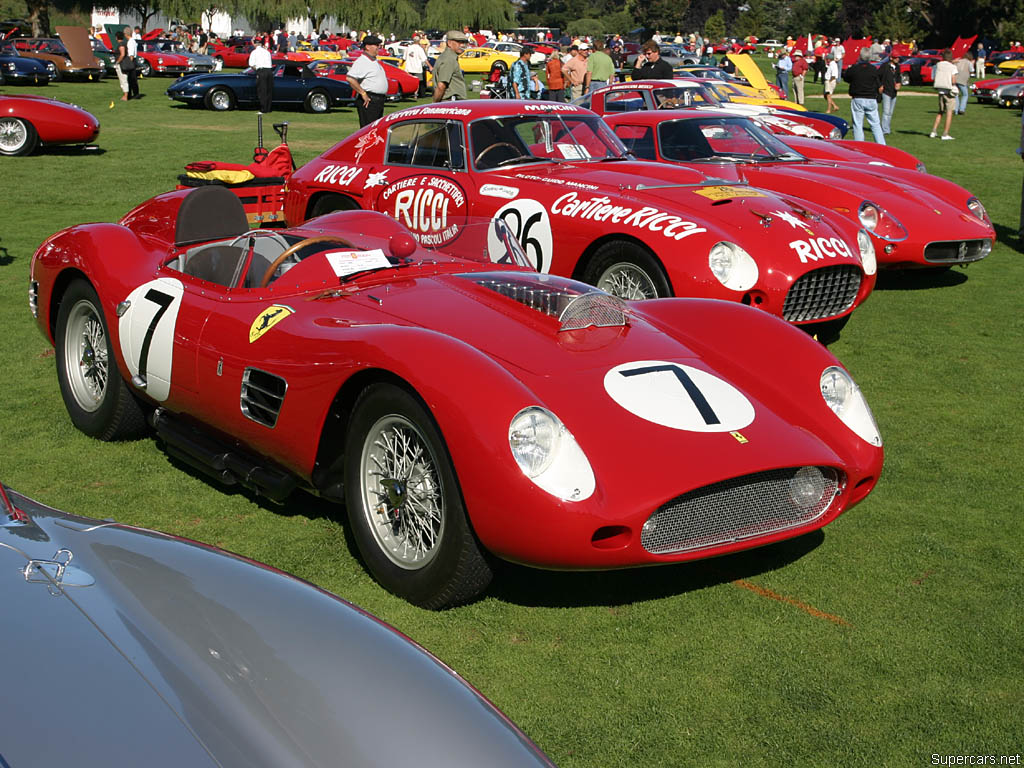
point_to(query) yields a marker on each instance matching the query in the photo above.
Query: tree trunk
(39, 17)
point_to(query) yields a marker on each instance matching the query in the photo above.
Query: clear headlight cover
(880, 223)
(843, 396)
(835, 133)
(732, 266)
(921, 167)
(867, 252)
(549, 455)
(974, 206)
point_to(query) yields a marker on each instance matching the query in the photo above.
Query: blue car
(18, 69)
(295, 85)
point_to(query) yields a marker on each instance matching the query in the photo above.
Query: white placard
(573, 151)
(346, 263)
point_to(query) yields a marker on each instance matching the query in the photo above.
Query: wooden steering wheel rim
(488, 148)
(298, 247)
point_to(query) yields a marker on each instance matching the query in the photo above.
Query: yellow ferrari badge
(727, 193)
(739, 438)
(267, 319)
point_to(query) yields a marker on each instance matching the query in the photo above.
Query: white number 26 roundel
(678, 396)
(529, 220)
(146, 332)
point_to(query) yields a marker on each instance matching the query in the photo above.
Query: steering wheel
(485, 150)
(269, 274)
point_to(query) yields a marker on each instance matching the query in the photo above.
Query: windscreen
(549, 138)
(720, 139)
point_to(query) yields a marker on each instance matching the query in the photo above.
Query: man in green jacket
(600, 68)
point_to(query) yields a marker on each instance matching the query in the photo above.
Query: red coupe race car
(653, 95)
(585, 209)
(918, 220)
(28, 121)
(856, 153)
(338, 70)
(458, 407)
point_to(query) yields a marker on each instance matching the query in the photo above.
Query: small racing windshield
(721, 138)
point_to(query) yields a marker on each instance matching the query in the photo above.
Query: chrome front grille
(822, 293)
(741, 508)
(957, 251)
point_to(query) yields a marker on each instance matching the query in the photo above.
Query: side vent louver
(262, 396)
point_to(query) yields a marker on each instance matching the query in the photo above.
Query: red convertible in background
(458, 407)
(584, 208)
(28, 121)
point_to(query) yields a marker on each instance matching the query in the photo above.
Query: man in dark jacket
(865, 88)
(889, 76)
(649, 64)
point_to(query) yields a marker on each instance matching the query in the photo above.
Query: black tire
(628, 271)
(318, 101)
(432, 560)
(499, 65)
(98, 400)
(220, 99)
(332, 203)
(17, 136)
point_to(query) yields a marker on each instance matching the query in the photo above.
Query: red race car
(338, 70)
(456, 406)
(584, 208)
(695, 94)
(985, 90)
(853, 152)
(917, 220)
(156, 61)
(28, 121)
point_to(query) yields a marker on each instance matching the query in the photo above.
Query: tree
(588, 27)
(896, 21)
(478, 14)
(714, 29)
(658, 14)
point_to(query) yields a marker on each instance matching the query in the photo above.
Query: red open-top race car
(461, 408)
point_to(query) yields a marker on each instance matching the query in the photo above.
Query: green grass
(658, 667)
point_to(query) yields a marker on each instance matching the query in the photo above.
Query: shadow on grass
(918, 279)
(522, 585)
(1009, 237)
(5, 257)
(561, 589)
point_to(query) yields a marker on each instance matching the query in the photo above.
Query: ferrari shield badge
(267, 319)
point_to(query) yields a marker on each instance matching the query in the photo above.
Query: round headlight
(533, 436)
(974, 206)
(921, 167)
(732, 266)
(835, 133)
(868, 215)
(842, 395)
(867, 252)
(807, 488)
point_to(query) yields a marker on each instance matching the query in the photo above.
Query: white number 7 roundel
(678, 396)
(146, 332)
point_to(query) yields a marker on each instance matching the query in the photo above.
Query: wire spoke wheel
(13, 134)
(402, 493)
(85, 356)
(627, 281)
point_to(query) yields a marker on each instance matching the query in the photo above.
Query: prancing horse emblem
(267, 319)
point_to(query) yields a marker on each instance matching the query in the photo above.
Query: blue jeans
(782, 80)
(961, 102)
(888, 105)
(868, 108)
(595, 84)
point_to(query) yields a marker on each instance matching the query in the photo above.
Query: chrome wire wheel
(318, 102)
(85, 356)
(402, 493)
(627, 281)
(220, 100)
(13, 135)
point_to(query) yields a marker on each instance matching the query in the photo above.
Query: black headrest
(209, 213)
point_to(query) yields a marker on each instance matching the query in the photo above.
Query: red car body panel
(430, 325)
(855, 152)
(675, 215)
(55, 121)
(161, 62)
(338, 70)
(932, 212)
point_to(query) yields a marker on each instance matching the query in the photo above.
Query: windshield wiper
(527, 159)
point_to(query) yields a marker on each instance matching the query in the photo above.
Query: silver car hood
(131, 647)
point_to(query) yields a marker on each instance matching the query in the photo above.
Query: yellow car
(1011, 67)
(743, 94)
(758, 88)
(480, 60)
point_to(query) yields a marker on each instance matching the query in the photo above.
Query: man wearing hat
(367, 78)
(449, 83)
(417, 63)
(800, 68)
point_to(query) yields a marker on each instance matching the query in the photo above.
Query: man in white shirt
(945, 77)
(417, 64)
(367, 78)
(261, 61)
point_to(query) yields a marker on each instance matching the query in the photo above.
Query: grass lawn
(893, 634)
